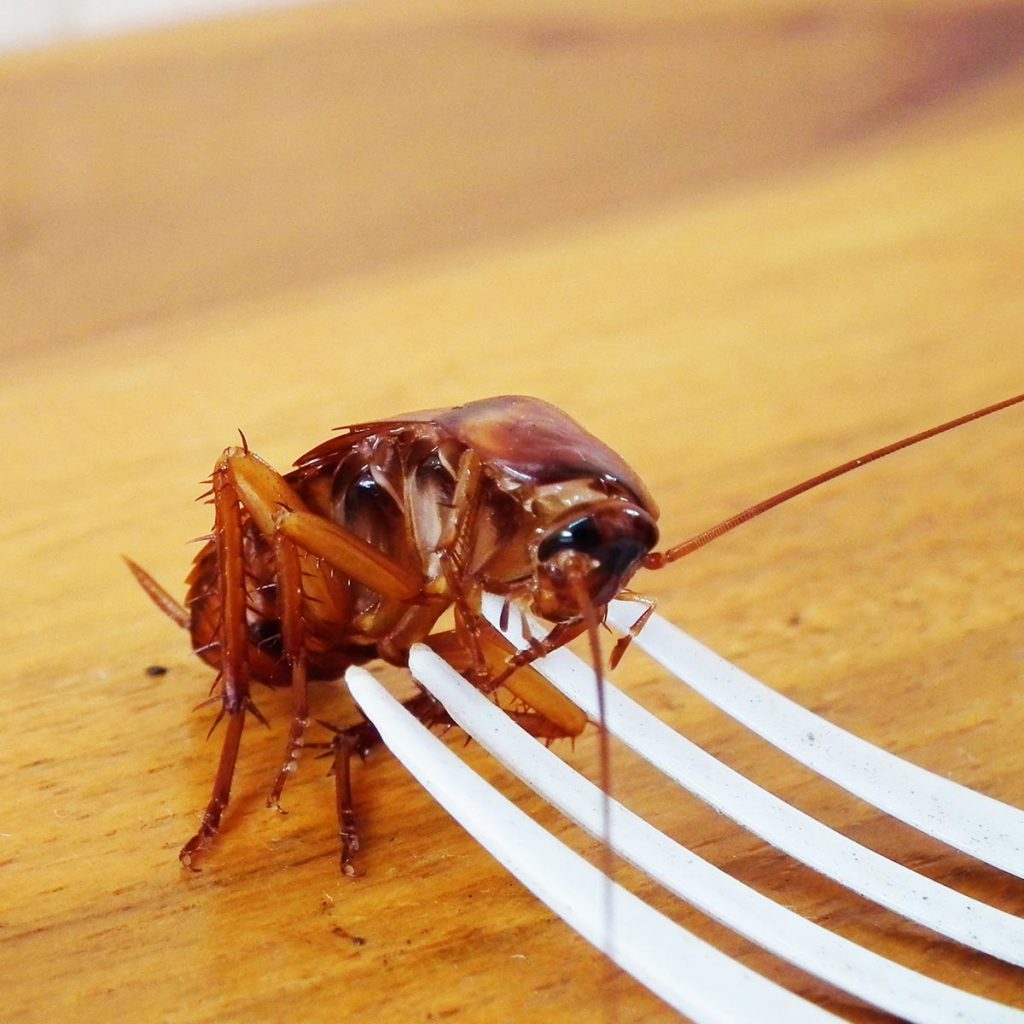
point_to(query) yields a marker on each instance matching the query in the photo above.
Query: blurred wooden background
(740, 241)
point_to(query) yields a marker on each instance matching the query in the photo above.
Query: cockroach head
(599, 546)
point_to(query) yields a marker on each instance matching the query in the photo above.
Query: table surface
(741, 242)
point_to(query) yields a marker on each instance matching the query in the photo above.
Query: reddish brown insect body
(359, 551)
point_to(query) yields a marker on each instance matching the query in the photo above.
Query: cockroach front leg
(622, 644)
(550, 715)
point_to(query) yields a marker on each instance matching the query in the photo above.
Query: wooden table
(740, 241)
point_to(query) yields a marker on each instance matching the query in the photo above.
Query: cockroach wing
(536, 443)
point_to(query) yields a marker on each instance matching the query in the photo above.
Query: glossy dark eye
(580, 535)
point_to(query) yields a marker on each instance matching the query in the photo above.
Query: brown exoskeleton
(358, 552)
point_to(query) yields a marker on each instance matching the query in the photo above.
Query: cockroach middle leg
(359, 740)
(345, 745)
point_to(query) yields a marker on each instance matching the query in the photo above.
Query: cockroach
(359, 551)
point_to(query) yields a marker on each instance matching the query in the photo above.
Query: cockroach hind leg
(199, 843)
(218, 802)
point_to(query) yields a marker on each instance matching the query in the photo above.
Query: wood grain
(741, 242)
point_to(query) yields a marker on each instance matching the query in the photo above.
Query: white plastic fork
(712, 988)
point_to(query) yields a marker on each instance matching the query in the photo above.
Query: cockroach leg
(240, 482)
(358, 740)
(523, 681)
(459, 528)
(563, 633)
(234, 652)
(289, 590)
(622, 644)
(343, 550)
(221, 792)
(345, 745)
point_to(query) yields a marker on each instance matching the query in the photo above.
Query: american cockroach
(359, 551)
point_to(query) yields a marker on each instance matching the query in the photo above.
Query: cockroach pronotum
(359, 551)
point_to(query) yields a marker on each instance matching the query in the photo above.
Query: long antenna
(658, 559)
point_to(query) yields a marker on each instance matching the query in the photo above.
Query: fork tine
(969, 821)
(691, 976)
(879, 981)
(944, 910)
